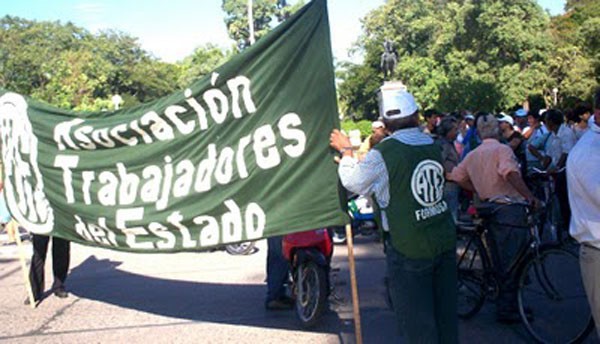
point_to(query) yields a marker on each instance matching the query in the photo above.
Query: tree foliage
(363, 126)
(452, 54)
(201, 62)
(476, 54)
(265, 14)
(69, 67)
(575, 62)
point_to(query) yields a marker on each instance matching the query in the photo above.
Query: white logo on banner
(428, 183)
(24, 187)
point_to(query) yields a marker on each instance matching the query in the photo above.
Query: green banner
(240, 155)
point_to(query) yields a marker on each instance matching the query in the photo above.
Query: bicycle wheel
(471, 273)
(550, 287)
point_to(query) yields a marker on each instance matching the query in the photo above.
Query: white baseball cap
(377, 124)
(502, 117)
(398, 100)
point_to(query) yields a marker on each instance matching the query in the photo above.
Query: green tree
(71, 68)
(581, 10)
(27, 49)
(132, 71)
(75, 76)
(575, 62)
(456, 54)
(201, 62)
(357, 91)
(265, 14)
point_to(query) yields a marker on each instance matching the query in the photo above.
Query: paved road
(201, 298)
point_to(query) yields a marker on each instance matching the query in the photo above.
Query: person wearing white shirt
(583, 165)
(561, 140)
(559, 144)
(405, 173)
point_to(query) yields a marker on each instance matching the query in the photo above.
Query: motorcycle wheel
(240, 249)
(311, 293)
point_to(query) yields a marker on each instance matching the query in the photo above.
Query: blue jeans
(423, 293)
(277, 269)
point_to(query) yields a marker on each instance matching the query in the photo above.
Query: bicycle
(549, 281)
(543, 186)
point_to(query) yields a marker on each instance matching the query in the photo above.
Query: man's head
(400, 110)
(470, 120)
(448, 128)
(378, 132)
(432, 118)
(554, 119)
(520, 117)
(582, 112)
(505, 122)
(377, 127)
(487, 126)
(533, 118)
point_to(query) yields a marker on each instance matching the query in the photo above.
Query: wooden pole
(23, 262)
(355, 304)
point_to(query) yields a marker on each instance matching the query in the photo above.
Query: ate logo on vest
(427, 183)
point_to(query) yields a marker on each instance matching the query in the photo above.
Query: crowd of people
(485, 157)
(419, 172)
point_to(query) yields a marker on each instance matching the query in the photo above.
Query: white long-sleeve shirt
(583, 177)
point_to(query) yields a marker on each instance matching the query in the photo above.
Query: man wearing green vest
(405, 175)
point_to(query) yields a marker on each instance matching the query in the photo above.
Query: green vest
(418, 218)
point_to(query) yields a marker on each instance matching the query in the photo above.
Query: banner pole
(23, 263)
(355, 304)
(251, 22)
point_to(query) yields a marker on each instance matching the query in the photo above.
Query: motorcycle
(309, 254)
(362, 219)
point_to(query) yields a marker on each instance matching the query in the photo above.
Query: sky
(172, 29)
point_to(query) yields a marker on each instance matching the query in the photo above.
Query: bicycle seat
(485, 209)
(466, 225)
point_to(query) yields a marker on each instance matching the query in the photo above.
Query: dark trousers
(60, 263)
(562, 194)
(277, 269)
(507, 236)
(424, 296)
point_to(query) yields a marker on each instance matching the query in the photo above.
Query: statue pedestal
(393, 85)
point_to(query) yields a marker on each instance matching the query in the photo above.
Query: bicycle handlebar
(540, 172)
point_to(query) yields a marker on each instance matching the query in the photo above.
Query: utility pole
(251, 22)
